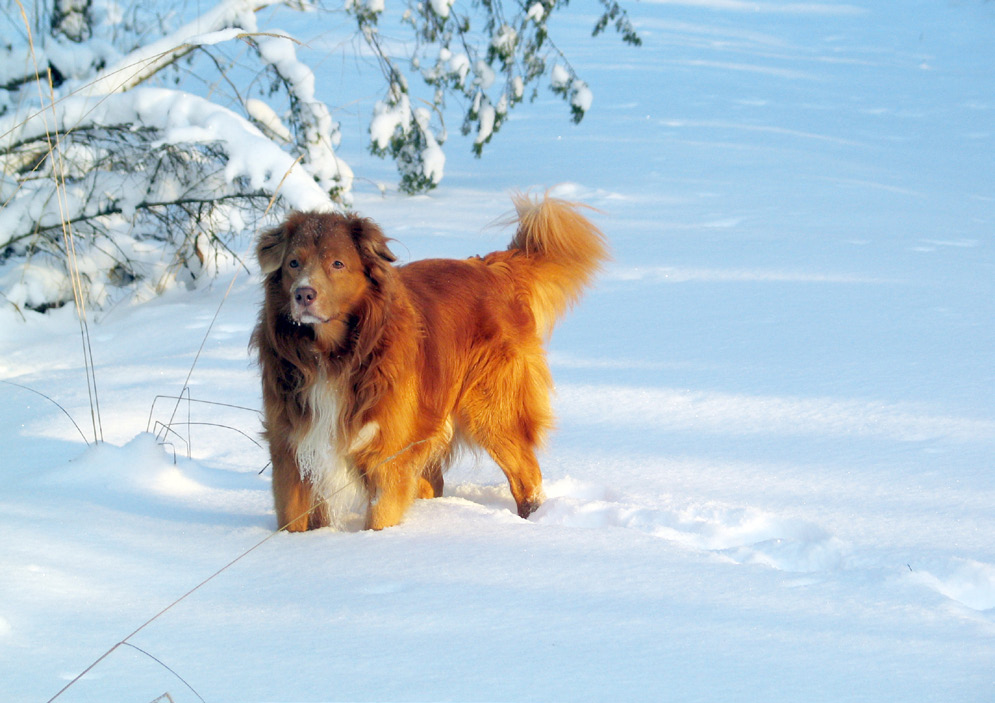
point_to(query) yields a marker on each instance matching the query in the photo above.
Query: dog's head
(320, 266)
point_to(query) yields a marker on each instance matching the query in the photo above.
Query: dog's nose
(305, 295)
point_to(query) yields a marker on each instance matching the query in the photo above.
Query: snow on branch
(113, 168)
(149, 186)
(319, 134)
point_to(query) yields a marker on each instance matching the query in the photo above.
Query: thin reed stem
(72, 264)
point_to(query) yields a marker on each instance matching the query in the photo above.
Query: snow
(772, 474)
(485, 75)
(212, 27)
(388, 118)
(581, 96)
(459, 64)
(433, 158)
(280, 53)
(536, 12)
(441, 7)
(488, 115)
(267, 119)
(172, 117)
(181, 117)
(504, 40)
(376, 6)
(321, 133)
(559, 76)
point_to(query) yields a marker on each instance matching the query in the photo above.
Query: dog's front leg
(293, 497)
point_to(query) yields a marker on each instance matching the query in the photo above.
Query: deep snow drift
(773, 474)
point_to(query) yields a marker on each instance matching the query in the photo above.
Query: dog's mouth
(304, 317)
(307, 316)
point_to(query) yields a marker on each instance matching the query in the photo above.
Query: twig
(194, 400)
(165, 666)
(75, 277)
(65, 412)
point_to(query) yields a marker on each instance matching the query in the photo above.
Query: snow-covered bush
(134, 147)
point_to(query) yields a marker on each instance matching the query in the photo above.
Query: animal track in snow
(747, 535)
(743, 535)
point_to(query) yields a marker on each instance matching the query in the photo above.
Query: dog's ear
(373, 310)
(271, 248)
(373, 250)
(370, 240)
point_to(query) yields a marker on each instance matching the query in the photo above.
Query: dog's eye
(294, 263)
(338, 265)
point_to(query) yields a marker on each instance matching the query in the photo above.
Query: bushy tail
(565, 252)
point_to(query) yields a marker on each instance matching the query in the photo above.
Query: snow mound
(146, 477)
(969, 582)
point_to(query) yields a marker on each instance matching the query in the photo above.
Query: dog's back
(485, 319)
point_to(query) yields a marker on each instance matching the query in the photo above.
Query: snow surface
(773, 474)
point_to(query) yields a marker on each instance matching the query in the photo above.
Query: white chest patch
(322, 463)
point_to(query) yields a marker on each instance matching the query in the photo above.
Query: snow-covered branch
(87, 163)
(152, 183)
(92, 141)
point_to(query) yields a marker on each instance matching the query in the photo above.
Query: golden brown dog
(372, 373)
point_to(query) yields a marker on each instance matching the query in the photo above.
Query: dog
(373, 374)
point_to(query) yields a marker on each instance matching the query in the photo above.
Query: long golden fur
(372, 373)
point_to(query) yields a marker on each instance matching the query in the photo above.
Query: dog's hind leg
(520, 466)
(511, 441)
(431, 483)
(509, 419)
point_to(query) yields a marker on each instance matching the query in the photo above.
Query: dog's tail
(565, 252)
